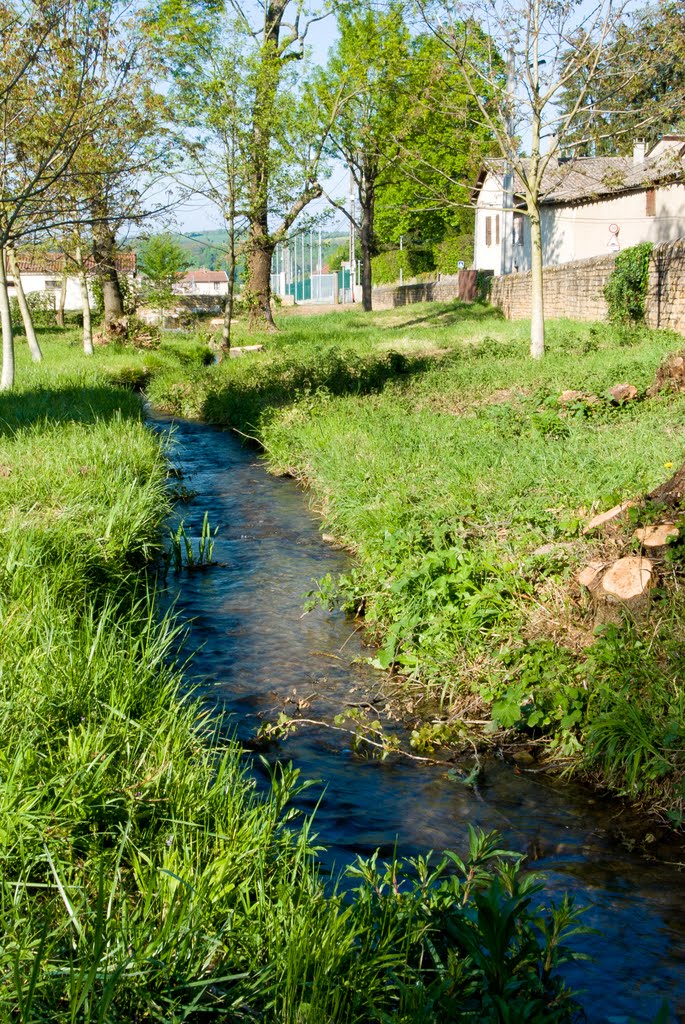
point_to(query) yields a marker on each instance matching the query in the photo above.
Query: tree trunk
(104, 253)
(7, 376)
(228, 307)
(31, 338)
(367, 241)
(85, 303)
(259, 278)
(59, 312)
(537, 319)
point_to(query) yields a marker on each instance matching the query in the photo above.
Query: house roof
(583, 179)
(205, 276)
(34, 261)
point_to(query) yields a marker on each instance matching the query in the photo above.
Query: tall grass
(142, 878)
(438, 451)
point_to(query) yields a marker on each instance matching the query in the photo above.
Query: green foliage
(453, 250)
(42, 307)
(626, 289)
(385, 268)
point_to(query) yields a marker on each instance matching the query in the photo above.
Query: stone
(569, 396)
(591, 576)
(607, 517)
(654, 539)
(623, 393)
(625, 590)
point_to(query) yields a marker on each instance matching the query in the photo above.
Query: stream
(256, 650)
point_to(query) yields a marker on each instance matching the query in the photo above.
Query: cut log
(607, 517)
(569, 396)
(625, 591)
(654, 539)
(670, 376)
(672, 492)
(621, 393)
(591, 576)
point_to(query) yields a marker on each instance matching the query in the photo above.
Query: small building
(45, 272)
(213, 283)
(590, 206)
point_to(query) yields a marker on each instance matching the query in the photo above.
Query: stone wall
(666, 293)
(576, 290)
(455, 286)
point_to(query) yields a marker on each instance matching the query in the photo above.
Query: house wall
(576, 290)
(581, 231)
(38, 282)
(489, 207)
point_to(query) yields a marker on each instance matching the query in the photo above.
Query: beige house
(591, 206)
(47, 272)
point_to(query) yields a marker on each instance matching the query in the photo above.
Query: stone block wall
(573, 290)
(576, 290)
(462, 286)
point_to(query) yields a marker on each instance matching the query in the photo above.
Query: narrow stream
(256, 649)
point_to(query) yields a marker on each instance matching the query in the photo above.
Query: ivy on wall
(626, 289)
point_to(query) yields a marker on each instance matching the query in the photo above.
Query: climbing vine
(626, 289)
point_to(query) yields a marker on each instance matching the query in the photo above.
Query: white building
(590, 206)
(202, 282)
(44, 272)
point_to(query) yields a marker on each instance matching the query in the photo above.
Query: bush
(450, 251)
(626, 289)
(42, 307)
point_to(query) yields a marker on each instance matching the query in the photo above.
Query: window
(517, 229)
(650, 202)
(497, 230)
(488, 230)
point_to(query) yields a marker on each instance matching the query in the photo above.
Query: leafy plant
(626, 288)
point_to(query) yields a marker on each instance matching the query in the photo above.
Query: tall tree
(369, 70)
(649, 102)
(523, 107)
(281, 141)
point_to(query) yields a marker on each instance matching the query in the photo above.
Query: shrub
(626, 289)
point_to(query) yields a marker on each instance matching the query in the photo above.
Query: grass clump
(441, 455)
(142, 876)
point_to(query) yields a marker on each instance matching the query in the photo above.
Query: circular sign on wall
(614, 228)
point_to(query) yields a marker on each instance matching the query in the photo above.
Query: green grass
(438, 452)
(142, 878)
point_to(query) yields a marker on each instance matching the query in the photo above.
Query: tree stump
(655, 539)
(624, 591)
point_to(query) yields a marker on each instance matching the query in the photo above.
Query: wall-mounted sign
(614, 229)
(460, 265)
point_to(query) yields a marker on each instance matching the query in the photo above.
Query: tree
(548, 45)
(162, 260)
(426, 196)
(278, 138)
(369, 70)
(647, 104)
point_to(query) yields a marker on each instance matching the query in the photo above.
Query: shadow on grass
(450, 314)
(243, 401)
(69, 404)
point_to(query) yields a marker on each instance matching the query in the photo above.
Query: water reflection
(257, 649)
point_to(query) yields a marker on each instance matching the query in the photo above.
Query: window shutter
(497, 230)
(488, 230)
(650, 197)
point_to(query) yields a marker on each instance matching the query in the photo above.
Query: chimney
(639, 148)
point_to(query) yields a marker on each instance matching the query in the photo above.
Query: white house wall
(580, 231)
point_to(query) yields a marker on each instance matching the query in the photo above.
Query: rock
(654, 539)
(607, 517)
(569, 396)
(621, 393)
(591, 576)
(625, 590)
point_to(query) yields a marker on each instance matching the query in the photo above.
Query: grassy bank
(142, 877)
(438, 451)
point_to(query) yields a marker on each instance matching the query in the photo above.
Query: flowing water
(257, 653)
